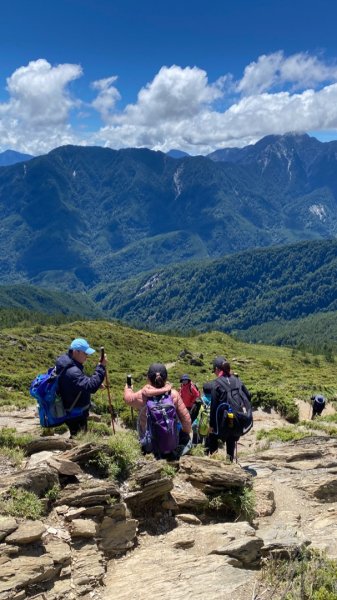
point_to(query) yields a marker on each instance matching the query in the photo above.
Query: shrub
(267, 399)
(101, 428)
(309, 576)
(283, 434)
(103, 465)
(20, 503)
(125, 449)
(14, 455)
(11, 439)
(235, 504)
(53, 492)
(198, 450)
(168, 470)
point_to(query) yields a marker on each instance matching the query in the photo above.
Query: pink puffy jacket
(138, 400)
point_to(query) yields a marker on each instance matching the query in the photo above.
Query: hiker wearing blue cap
(75, 387)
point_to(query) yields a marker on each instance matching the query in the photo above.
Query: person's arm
(83, 382)
(196, 393)
(134, 399)
(183, 414)
(214, 404)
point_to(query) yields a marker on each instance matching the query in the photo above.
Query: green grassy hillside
(275, 375)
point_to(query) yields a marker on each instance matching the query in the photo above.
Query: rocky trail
(178, 553)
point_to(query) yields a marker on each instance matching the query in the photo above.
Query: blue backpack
(44, 389)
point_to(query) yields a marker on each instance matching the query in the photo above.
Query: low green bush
(234, 504)
(20, 503)
(125, 449)
(14, 455)
(101, 428)
(9, 438)
(268, 398)
(282, 434)
(309, 576)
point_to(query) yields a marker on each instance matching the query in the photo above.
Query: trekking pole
(129, 384)
(236, 451)
(111, 409)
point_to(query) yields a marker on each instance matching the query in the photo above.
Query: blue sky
(190, 75)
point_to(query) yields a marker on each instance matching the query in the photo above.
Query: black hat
(218, 362)
(185, 377)
(207, 388)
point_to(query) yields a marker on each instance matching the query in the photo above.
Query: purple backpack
(161, 434)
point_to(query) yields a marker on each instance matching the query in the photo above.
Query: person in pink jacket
(157, 385)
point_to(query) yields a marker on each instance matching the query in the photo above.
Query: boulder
(189, 519)
(211, 475)
(186, 496)
(59, 551)
(151, 491)
(7, 525)
(117, 536)
(23, 571)
(38, 480)
(246, 549)
(83, 528)
(322, 486)
(82, 453)
(48, 443)
(89, 493)
(26, 533)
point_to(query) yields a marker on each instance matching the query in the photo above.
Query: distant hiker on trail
(190, 394)
(74, 385)
(164, 422)
(231, 412)
(200, 425)
(318, 405)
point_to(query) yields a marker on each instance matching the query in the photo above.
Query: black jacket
(72, 381)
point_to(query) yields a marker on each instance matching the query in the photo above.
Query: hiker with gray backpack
(164, 423)
(231, 413)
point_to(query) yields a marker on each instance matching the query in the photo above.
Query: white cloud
(107, 97)
(179, 108)
(275, 70)
(37, 113)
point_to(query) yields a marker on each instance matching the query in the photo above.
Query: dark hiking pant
(212, 444)
(75, 426)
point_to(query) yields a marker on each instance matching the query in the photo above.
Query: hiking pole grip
(108, 390)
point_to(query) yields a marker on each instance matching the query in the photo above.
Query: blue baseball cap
(81, 345)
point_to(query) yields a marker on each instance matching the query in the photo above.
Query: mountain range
(81, 216)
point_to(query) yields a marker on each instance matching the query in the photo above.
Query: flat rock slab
(180, 566)
(26, 570)
(211, 475)
(27, 533)
(7, 526)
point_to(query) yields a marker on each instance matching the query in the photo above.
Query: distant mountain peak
(11, 157)
(177, 153)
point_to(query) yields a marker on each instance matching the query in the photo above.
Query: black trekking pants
(212, 444)
(75, 426)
